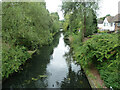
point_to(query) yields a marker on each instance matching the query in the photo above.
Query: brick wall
(116, 27)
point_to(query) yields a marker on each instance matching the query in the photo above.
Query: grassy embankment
(99, 57)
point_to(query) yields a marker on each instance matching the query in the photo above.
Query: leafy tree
(26, 26)
(55, 22)
(82, 16)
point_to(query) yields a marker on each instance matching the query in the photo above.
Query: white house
(108, 24)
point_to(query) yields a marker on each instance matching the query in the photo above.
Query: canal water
(53, 67)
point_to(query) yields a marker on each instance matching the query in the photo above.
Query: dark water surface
(53, 67)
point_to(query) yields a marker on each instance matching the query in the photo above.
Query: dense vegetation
(25, 28)
(80, 17)
(102, 50)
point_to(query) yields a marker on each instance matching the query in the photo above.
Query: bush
(26, 26)
(103, 51)
(12, 58)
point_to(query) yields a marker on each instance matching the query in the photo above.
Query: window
(104, 24)
(118, 24)
(111, 24)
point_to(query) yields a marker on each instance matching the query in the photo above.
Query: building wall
(112, 28)
(107, 25)
(100, 26)
(116, 27)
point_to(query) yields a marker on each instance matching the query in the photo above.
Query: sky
(106, 7)
(54, 6)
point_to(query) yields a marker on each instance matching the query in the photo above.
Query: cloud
(54, 6)
(108, 7)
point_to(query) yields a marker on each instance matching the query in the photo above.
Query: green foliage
(13, 57)
(103, 51)
(103, 32)
(80, 16)
(77, 38)
(66, 23)
(25, 27)
(91, 23)
(56, 23)
(61, 23)
(109, 72)
(28, 24)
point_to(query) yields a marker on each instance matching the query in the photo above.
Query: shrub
(12, 58)
(26, 26)
(103, 51)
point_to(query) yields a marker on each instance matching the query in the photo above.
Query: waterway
(52, 67)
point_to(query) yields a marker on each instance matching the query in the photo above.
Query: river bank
(53, 67)
(26, 30)
(92, 73)
(99, 70)
(30, 54)
(27, 60)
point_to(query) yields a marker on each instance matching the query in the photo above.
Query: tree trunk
(84, 28)
(84, 22)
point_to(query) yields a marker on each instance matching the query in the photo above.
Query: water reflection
(34, 67)
(53, 67)
(75, 77)
(57, 68)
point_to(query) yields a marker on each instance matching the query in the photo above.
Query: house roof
(110, 19)
(116, 18)
(100, 21)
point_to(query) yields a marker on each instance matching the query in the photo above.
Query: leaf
(42, 75)
(34, 79)
(68, 78)
(81, 82)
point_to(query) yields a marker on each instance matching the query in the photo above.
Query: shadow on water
(53, 67)
(75, 77)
